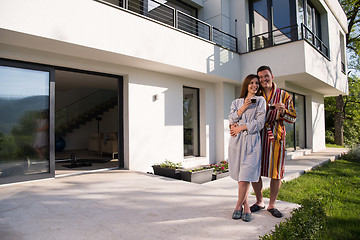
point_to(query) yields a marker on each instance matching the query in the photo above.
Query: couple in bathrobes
(247, 119)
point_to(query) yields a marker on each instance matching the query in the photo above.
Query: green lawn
(334, 146)
(337, 185)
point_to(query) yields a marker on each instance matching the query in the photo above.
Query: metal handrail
(174, 19)
(230, 43)
(269, 39)
(322, 48)
(79, 100)
(197, 21)
(279, 29)
(67, 114)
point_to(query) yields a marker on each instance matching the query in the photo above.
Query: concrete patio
(126, 205)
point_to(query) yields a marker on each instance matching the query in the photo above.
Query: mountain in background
(11, 110)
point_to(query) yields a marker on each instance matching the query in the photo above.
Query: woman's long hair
(247, 80)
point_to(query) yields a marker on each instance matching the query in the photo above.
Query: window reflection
(24, 107)
(295, 132)
(300, 121)
(260, 17)
(191, 121)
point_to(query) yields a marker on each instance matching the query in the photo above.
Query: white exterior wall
(155, 127)
(332, 75)
(216, 13)
(318, 122)
(85, 42)
(240, 23)
(229, 97)
(111, 33)
(158, 60)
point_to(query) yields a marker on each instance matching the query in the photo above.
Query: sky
(21, 83)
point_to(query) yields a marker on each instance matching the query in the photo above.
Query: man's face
(266, 79)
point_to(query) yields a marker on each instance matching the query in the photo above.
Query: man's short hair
(262, 68)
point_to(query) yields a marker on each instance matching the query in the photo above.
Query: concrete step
(297, 154)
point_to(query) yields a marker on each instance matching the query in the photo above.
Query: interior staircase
(92, 112)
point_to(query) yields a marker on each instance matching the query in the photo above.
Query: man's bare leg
(274, 192)
(257, 186)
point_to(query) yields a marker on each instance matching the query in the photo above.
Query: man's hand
(281, 108)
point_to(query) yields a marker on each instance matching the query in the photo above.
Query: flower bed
(168, 169)
(221, 170)
(201, 175)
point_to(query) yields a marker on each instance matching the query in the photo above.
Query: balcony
(286, 35)
(172, 17)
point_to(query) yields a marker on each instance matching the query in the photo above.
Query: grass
(337, 185)
(328, 145)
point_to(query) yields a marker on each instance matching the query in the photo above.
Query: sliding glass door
(24, 122)
(295, 132)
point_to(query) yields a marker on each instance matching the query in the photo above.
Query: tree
(350, 114)
(352, 10)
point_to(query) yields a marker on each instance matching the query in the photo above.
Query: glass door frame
(292, 94)
(120, 89)
(51, 70)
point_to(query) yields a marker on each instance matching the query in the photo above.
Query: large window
(261, 16)
(24, 121)
(276, 22)
(342, 51)
(310, 18)
(191, 121)
(295, 133)
(272, 22)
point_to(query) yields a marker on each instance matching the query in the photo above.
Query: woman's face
(253, 86)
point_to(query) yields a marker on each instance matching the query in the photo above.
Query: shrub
(306, 222)
(169, 164)
(353, 154)
(329, 137)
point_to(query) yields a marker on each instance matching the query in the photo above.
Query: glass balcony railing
(170, 16)
(286, 35)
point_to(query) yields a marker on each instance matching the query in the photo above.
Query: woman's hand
(235, 129)
(247, 103)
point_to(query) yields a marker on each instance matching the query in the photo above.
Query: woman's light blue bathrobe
(245, 148)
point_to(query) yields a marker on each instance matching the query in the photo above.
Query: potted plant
(167, 169)
(221, 170)
(197, 175)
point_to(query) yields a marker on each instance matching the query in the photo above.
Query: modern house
(99, 84)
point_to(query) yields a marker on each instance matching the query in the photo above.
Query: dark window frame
(198, 122)
(51, 133)
(315, 18)
(292, 94)
(51, 69)
(270, 6)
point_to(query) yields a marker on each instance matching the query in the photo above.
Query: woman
(41, 135)
(247, 118)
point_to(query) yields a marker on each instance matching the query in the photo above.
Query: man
(280, 108)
